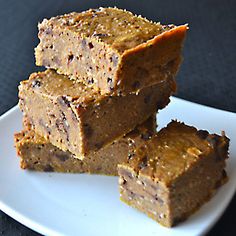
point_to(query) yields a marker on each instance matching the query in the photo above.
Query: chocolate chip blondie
(110, 49)
(37, 153)
(174, 173)
(79, 119)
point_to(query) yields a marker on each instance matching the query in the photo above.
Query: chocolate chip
(70, 58)
(65, 122)
(73, 116)
(146, 136)
(100, 35)
(130, 156)
(110, 82)
(161, 202)
(62, 125)
(114, 59)
(48, 130)
(63, 101)
(88, 130)
(53, 116)
(59, 125)
(48, 168)
(90, 45)
(90, 81)
(202, 134)
(36, 84)
(62, 157)
(143, 163)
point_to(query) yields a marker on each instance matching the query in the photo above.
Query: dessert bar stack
(93, 110)
(108, 73)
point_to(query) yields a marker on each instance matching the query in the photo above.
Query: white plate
(80, 204)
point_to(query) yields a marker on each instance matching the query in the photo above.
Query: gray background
(207, 75)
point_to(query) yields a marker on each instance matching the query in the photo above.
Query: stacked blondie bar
(93, 110)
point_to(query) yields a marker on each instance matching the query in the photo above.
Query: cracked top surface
(174, 150)
(119, 28)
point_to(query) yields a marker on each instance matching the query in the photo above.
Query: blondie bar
(80, 119)
(174, 173)
(37, 153)
(110, 49)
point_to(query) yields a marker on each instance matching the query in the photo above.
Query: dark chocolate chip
(73, 116)
(59, 125)
(70, 58)
(36, 84)
(130, 156)
(62, 125)
(90, 45)
(62, 157)
(90, 81)
(88, 130)
(52, 115)
(143, 163)
(48, 168)
(114, 59)
(161, 202)
(122, 181)
(202, 134)
(65, 123)
(63, 101)
(100, 35)
(146, 136)
(110, 82)
(48, 130)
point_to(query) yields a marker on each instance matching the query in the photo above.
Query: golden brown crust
(176, 149)
(38, 154)
(79, 119)
(110, 50)
(174, 173)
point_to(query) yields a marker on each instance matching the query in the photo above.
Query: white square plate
(80, 204)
